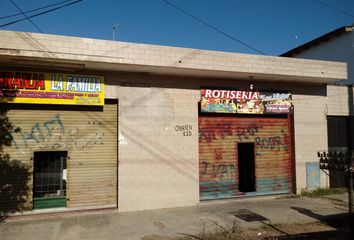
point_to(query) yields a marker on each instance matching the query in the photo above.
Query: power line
(39, 14)
(13, 3)
(213, 27)
(34, 10)
(334, 8)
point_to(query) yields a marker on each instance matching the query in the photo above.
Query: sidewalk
(146, 225)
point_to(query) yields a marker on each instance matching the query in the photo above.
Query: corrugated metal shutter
(218, 163)
(90, 137)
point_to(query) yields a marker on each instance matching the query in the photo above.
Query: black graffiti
(224, 129)
(245, 133)
(272, 143)
(219, 130)
(217, 169)
(206, 135)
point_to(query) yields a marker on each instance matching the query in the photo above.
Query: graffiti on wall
(221, 130)
(245, 133)
(250, 133)
(222, 170)
(218, 163)
(52, 134)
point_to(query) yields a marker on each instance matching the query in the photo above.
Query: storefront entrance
(246, 167)
(244, 156)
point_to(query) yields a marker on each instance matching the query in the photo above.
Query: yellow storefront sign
(51, 88)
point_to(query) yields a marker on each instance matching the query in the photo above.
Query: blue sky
(271, 26)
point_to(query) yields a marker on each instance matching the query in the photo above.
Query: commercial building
(133, 126)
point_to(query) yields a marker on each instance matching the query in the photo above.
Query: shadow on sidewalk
(343, 223)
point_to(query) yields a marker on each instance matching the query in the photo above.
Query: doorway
(49, 179)
(246, 167)
(340, 138)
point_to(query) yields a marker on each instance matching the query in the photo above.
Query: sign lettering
(244, 102)
(51, 88)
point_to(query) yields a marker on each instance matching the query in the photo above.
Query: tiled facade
(91, 50)
(158, 89)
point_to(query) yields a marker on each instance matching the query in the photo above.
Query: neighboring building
(133, 126)
(337, 45)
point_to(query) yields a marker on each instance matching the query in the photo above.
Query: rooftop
(74, 54)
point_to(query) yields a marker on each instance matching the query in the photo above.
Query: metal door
(312, 175)
(218, 168)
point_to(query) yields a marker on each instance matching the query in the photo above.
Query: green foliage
(319, 192)
(289, 196)
(6, 130)
(14, 175)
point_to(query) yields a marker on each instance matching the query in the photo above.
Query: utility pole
(114, 28)
(350, 144)
(350, 137)
(350, 192)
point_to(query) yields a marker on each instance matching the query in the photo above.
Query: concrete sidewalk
(170, 222)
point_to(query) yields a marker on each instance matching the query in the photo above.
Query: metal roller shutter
(90, 139)
(218, 155)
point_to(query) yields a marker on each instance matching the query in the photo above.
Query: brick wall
(158, 163)
(157, 153)
(339, 102)
(83, 49)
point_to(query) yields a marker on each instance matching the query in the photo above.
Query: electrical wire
(333, 8)
(39, 14)
(36, 9)
(212, 27)
(13, 3)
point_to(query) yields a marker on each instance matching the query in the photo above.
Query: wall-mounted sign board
(244, 102)
(51, 88)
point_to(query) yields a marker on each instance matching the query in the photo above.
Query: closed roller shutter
(218, 155)
(90, 139)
